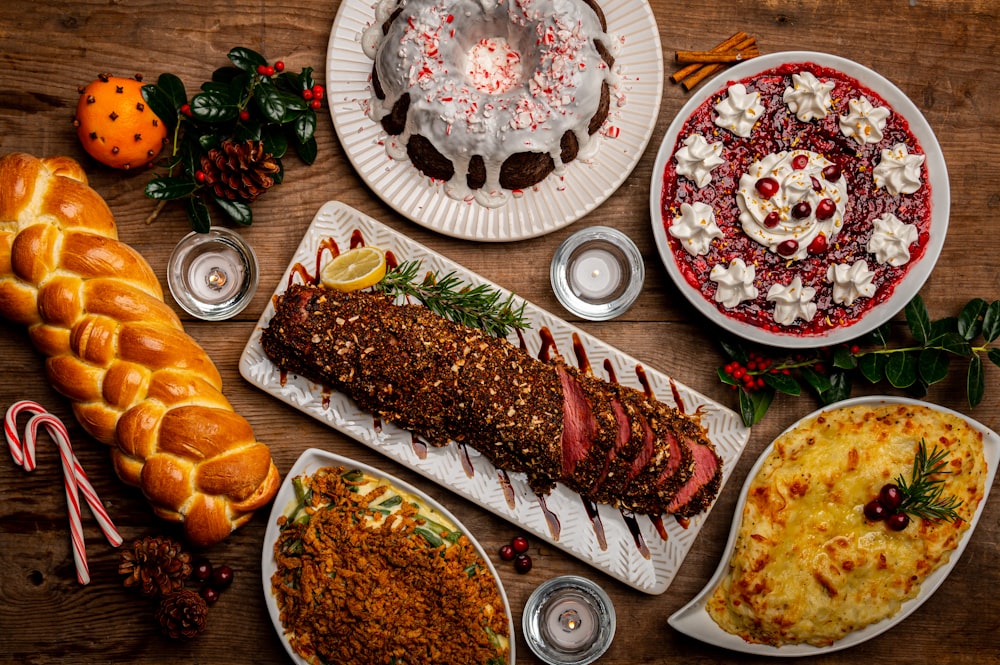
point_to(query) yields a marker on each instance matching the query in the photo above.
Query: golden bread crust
(94, 307)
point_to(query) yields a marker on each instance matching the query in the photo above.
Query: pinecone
(239, 171)
(182, 614)
(156, 566)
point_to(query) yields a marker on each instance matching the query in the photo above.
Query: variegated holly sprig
(829, 372)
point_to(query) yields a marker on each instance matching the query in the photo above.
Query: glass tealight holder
(568, 620)
(597, 273)
(213, 275)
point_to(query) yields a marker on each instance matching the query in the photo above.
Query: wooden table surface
(941, 53)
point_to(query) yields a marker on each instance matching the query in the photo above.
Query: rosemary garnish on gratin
(922, 493)
(477, 306)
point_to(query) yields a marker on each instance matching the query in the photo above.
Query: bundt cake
(489, 95)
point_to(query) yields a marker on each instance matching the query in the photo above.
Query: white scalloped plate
(937, 175)
(308, 463)
(557, 201)
(693, 619)
(629, 549)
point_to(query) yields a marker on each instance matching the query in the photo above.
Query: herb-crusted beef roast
(445, 381)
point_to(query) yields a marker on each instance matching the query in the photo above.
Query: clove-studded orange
(116, 126)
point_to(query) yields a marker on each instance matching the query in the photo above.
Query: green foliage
(829, 372)
(239, 103)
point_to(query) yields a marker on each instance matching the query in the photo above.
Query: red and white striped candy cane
(74, 477)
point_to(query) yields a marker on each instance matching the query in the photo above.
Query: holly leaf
(783, 384)
(932, 365)
(901, 370)
(942, 327)
(237, 211)
(270, 102)
(954, 343)
(818, 382)
(881, 335)
(305, 127)
(725, 377)
(275, 143)
(975, 382)
(872, 366)
(918, 319)
(844, 359)
(170, 189)
(753, 405)
(991, 321)
(970, 322)
(214, 106)
(308, 151)
(246, 59)
(162, 101)
(840, 388)
(994, 356)
(197, 211)
(734, 350)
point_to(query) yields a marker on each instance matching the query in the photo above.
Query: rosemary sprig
(922, 494)
(476, 306)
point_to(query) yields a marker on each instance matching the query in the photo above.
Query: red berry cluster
(213, 580)
(517, 551)
(314, 96)
(886, 506)
(749, 376)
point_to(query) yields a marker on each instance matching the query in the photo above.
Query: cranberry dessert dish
(800, 199)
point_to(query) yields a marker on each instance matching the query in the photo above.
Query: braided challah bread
(137, 381)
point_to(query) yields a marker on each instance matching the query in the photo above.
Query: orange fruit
(116, 126)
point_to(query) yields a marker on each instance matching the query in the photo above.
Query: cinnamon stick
(703, 71)
(726, 45)
(707, 57)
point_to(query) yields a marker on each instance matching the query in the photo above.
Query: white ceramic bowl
(936, 174)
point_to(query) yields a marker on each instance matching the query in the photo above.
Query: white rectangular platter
(642, 552)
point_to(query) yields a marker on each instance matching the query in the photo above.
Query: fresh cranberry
(891, 496)
(318, 91)
(522, 563)
(898, 521)
(222, 577)
(818, 244)
(279, 66)
(201, 569)
(788, 247)
(773, 219)
(262, 70)
(307, 95)
(767, 187)
(801, 210)
(315, 104)
(875, 511)
(244, 115)
(825, 209)
(209, 593)
(832, 172)
(507, 553)
(520, 544)
(799, 162)
(816, 184)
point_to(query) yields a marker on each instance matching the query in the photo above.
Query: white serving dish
(284, 501)
(693, 619)
(630, 549)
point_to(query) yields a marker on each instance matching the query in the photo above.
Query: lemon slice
(355, 269)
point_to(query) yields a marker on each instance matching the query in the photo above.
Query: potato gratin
(808, 567)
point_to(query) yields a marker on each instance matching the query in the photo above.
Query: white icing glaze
(891, 239)
(808, 97)
(898, 171)
(735, 283)
(794, 185)
(792, 301)
(556, 88)
(695, 228)
(739, 110)
(864, 123)
(850, 281)
(697, 159)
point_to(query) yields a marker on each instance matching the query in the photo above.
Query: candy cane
(74, 477)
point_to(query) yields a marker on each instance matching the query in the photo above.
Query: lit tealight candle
(595, 274)
(568, 620)
(212, 275)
